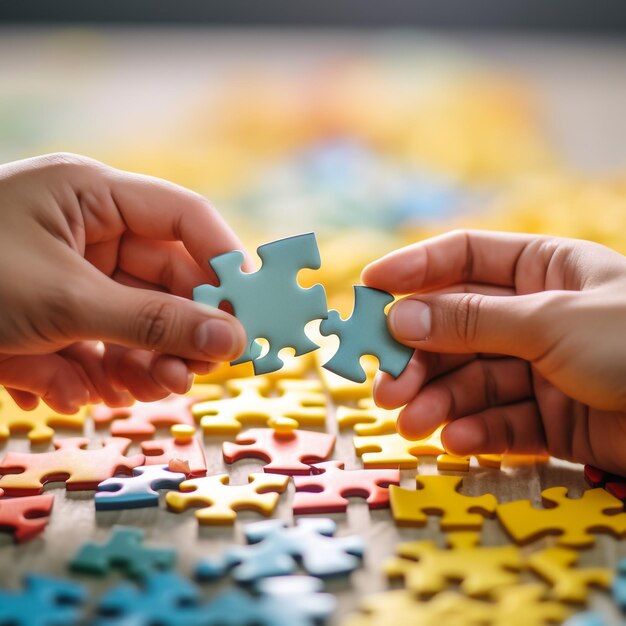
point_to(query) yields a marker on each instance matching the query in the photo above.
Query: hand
(90, 254)
(521, 344)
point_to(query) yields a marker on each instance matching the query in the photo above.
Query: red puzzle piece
(189, 449)
(614, 484)
(142, 418)
(330, 486)
(26, 473)
(26, 516)
(286, 453)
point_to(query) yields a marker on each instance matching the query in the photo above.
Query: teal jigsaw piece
(270, 303)
(365, 332)
(125, 550)
(619, 586)
(587, 618)
(136, 491)
(277, 549)
(44, 601)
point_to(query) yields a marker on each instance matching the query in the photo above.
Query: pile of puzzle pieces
(275, 575)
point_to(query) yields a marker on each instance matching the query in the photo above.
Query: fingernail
(410, 320)
(216, 339)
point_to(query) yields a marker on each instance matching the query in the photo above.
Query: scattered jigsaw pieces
(339, 388)
(367, 418)
(277, 549)
(365, 332)
(330, 486)
(438, 495)
(450, 463)
(526, 605)
(220, 501)
(136, 491)
(38, 422)
(569, 584)
(299, 400)
(575, 521)
(44, 601)
(270, 303)
(124, 550)
(289, 453)
(614, 484)
(182, 446)
(78, 467)
(142, 418)
(480, 569)
(26, 516)
(394, 451)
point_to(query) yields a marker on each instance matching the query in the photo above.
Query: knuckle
(468, 317)
(65, 161)
(155, 323)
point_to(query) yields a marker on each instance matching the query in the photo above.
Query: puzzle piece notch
(367, 418)
(569, 584)
(330, 486)
(39, 422)
(480, 569)
(276, 550)
(365, 332)
(44, 601)
(299, 400)
(438, 495)
(574, 521)
(285, 453)
(80, 468)
(182, 446)
(26, 516)
(341, 389)
(136, 491)
(124, 550)
(270, 303)
(394, 451)
(220, 501)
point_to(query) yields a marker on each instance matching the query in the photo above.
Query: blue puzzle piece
(166, 599)
(138, 490)
(124, 550)
(588, 618)
(276, 551)
(619, 585)
(365, 332)
(44, 602)
(270, 303)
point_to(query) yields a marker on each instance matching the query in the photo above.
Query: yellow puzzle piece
(526, 605)
(367, 418)
(220, 501)
(573, 520)
(299, 400)
(450, 463)
(569, 584)
(39, 422)
(341, 389)
(438, 495)
(426, 569)
(394, 451)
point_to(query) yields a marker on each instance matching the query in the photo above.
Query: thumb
(462, 323)
(153, 320)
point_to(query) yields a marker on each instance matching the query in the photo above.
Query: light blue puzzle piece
(125, 550)
(588, 618)
(136, 491)
(619, 585)
(270, 303)
(44, 601)
(276, 551)
(365, 332)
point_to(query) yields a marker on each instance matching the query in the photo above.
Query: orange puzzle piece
(26, 516)
(181, 446)
(25, 473)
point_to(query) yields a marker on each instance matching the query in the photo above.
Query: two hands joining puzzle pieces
(271, 305)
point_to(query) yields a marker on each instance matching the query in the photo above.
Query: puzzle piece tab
(365, 332)
(277, 549)
(438, 495)
(367, 418)
(270, 303)
(300, 400)
(394, 451)
(220, 501)
(574, 521)
(330, 486)
(480, 569)
(38, 422)
(136, 491)
(339, 388)
(80, 468)
(286, 453)
(26, 516)
(44, 601)
(182, 446)
(124, 550)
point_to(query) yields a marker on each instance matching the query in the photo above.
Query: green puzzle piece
(365, 332)
(270, 303)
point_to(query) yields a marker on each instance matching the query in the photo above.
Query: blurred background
(374, 124)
